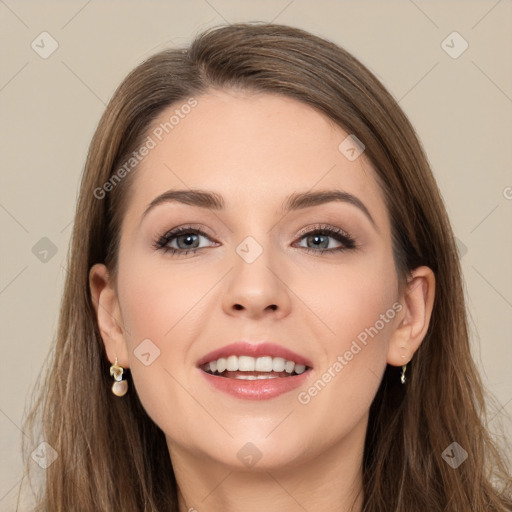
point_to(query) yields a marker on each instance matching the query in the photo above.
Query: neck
(329, 482)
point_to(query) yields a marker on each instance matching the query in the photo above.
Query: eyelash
(161, 243)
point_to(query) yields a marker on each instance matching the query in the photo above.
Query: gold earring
(402, 377)
(120, 386)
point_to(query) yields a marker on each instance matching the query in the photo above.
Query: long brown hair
(111, 456)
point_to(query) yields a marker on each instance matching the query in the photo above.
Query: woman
(263, 308)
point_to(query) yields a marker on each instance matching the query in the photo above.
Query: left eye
(319, 237)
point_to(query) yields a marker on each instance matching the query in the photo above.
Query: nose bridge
(255, 284)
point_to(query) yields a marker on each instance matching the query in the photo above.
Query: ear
(108, 314)
(417, 301)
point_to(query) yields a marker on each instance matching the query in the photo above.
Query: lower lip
(261, 389)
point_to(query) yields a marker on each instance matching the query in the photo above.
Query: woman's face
(259, 275)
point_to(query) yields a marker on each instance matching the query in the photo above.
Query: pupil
(188, 237)
(323, 244)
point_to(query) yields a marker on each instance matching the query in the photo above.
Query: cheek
(162, 312)
(350, 298)
(155, 301)
(358, 310)
(367, 307)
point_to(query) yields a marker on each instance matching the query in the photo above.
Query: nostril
(239, 306)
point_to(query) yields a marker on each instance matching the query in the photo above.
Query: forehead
(254, 149)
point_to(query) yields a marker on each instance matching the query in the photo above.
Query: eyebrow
(294, 202)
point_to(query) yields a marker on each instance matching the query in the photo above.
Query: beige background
(461, 108)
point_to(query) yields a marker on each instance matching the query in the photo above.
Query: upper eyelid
(324, 227)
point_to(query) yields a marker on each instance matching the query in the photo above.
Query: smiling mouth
(253, 368)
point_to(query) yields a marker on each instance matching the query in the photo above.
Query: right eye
(187, 240)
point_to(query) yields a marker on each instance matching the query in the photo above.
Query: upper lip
(244, 348)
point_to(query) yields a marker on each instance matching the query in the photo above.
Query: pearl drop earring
(120, 386)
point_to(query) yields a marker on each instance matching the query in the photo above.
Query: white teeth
(221, 364)
(278, 364)
(246, 363)
(232, 364)
(288, 367)
(250, 364)
(299, 368)
(263, 364)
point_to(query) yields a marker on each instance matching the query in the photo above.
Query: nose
(257, 289)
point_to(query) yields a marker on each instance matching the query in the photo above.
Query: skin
(255, 150)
